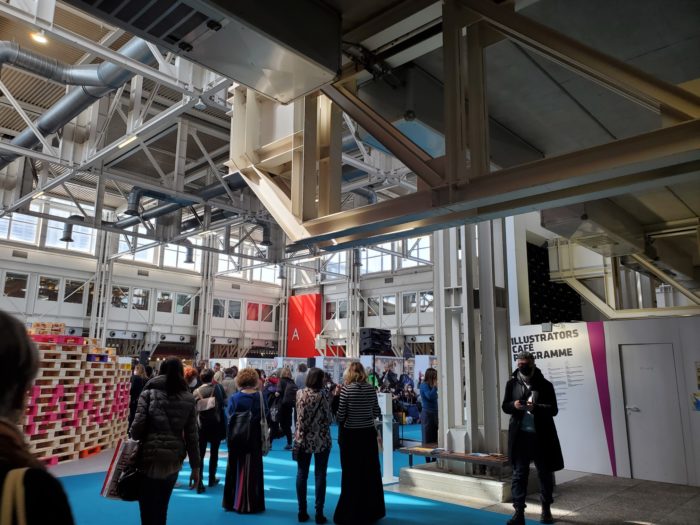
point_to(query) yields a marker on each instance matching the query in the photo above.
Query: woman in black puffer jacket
(165, 415)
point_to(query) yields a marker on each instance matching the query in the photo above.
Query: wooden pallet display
(76, 407)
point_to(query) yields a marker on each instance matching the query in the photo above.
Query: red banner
(304, 324)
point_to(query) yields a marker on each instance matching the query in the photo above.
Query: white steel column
(448, 309)
(518, 283)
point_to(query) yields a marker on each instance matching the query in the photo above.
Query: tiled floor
(596, 499)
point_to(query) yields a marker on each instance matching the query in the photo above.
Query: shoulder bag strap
(13, 489)
(262, 407)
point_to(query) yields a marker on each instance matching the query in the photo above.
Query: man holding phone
(530, 400)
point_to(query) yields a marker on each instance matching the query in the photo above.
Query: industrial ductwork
(216, 216)
(110, 75)
(49, 68)
(68, 228)
(234, 181)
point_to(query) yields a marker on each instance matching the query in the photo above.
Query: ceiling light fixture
(39, 37)
(127, 141)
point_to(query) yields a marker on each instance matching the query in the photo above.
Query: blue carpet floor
(189, 508)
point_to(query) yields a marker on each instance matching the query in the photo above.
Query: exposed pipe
(234, 180)
(68, 228)
(50, 68)
(216, 216)
(77, 100)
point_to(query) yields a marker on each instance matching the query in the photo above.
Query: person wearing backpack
(288, 394)
(211, 401)
(244, 490)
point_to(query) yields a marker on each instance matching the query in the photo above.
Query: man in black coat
(532, 436)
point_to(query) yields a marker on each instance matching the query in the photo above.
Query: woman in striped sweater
(361, 492)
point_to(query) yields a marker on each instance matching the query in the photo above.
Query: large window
(409, 303)
(83, 236)
(388, 305)
(335, 263)
(175, 256)
(372, 306)
(375, 261)
(330, 310)
(266, 274)
(342, 309)
(426, 302)
(73, 292)
(147, 255)
(266, 313)
(183, 304)
(219, 308)
(120, 296)
(234, 309)
(230, 265)
(48, 288)
(165, 302)
(252, 311)
(418, 248)
(21, 228)
(16, 285)
(139, 298)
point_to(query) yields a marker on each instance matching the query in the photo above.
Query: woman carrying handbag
(244, 490)
(312, 438)
(23, 479)
(165, 414)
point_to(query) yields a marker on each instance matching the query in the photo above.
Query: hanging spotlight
(39, 37)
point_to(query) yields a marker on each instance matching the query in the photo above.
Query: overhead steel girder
(660, 157)
(615, 74)
(105, 53)
(396, 142)
(641, 313)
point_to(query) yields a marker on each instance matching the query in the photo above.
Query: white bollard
(388, 435)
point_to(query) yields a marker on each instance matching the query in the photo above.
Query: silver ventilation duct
(77, 100)
(50, 68)
(234, 181)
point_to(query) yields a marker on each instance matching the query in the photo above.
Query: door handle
(633, 409)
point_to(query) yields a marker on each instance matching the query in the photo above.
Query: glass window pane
(23, 228)
(342, 309)
(184, 301)
(165, 302)
(16, 285)
(266, 313)
(409, 303)
(120, 297)
(234, 309)
(330, 310)
(252, 312)
(73, 293)
(4, 227)
(48, 288)
(373, 307)
(219, 308)
(139, 299)
(426, 302)
(389, 305)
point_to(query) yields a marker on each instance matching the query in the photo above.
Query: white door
(654, 427)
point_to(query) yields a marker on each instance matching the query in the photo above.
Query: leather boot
(546, 516)
(518, 517)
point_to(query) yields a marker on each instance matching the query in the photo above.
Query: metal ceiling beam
(76, 40)
(648, 160)
(664, 277)
(615, 74)
(396, 142)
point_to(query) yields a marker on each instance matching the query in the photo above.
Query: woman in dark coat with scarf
(532, 404)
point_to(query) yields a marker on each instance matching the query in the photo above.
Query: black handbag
(129, 484)
(238, 433)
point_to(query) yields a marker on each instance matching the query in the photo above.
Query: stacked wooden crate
(79, 401)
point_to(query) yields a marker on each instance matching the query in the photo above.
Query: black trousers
(212, 436)
(525, 451)
(285, 416)
(154, 497)
(429, 429)
(320, 468)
